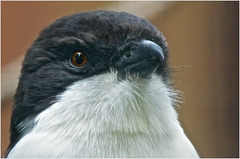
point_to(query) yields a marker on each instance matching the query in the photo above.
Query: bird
(97, 84)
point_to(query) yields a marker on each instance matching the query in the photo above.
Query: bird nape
(96, 84)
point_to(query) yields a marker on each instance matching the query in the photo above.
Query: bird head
(102, 70)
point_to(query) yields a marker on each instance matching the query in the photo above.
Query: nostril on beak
(128, 54)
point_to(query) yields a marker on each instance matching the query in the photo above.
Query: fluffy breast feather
(103, 117)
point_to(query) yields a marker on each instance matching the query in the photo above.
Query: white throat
(103, 104)
(102, 117)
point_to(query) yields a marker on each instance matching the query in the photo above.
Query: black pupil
(79, 58)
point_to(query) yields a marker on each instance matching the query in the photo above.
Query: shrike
(97, 84)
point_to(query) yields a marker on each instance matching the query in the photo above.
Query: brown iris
(79, 59)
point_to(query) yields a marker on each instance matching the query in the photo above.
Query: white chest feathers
(102, 117)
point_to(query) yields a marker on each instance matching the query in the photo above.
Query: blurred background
(203, 39)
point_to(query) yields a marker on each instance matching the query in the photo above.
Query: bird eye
(79, 59)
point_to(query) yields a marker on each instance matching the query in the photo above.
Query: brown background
(203, 39)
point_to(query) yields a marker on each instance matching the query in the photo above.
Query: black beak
(141, 61)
